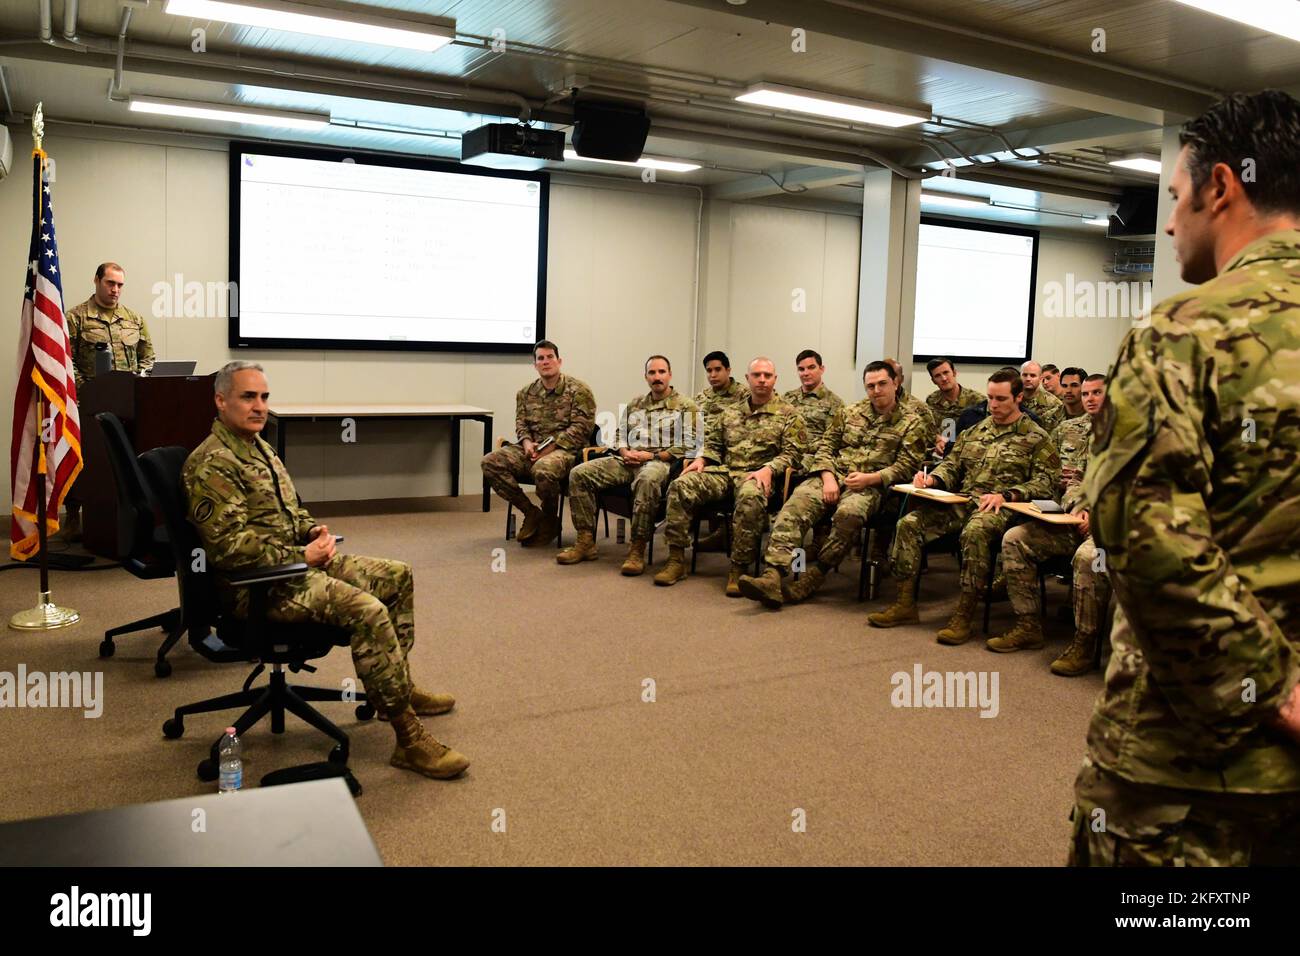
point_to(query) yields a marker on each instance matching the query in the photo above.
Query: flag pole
(47, 615)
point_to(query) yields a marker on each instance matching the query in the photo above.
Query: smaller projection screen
(974, 292)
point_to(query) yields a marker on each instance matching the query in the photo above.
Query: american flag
(45, 379)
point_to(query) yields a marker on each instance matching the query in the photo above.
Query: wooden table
(456, 414)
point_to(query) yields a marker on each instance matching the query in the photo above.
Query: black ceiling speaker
(1136, 215)
(604, 130)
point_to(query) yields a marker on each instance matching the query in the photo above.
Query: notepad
(1047, 506)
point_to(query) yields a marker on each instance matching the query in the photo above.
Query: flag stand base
(44, 617)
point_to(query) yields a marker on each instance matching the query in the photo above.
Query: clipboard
(931, 494)
(1025, 508)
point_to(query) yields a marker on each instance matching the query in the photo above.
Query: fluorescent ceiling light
(320, 22)
(1098, 221)
(256, 115)
(1276, 16)
(646, 162)
(1143, 164)
(962, 202)
(827, 104)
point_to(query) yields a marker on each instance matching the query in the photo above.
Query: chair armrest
(593, 451)
(272, 575)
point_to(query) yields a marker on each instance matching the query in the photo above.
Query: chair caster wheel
(365, 711)
(173, 728)
(162, 668)
(339, 755)
(207, 770)
(106, 648)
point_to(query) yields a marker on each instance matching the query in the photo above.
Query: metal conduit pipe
(69, 19)
(123, 25)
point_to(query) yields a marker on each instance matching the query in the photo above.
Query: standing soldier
(948, 400)
(866, 448)
(556, 407)
(748, 448)
(1004, 458)
(655, 432)
(1194, 746)
(1045, 406)
(1027, 545)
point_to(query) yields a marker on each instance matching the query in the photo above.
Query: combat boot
(1077, 658)
(417, 750)
(532, 521)
(806, 586)
(424, 704)
(584, 549)
(674, 569)
(766, 588)
(635, 563)
(1027, 635)
(902, 611)
(548, 528)
(733, 579)
(957, 630)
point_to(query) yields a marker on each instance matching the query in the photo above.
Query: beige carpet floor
(757, 715)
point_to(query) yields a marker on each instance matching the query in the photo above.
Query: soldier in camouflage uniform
(911, 401)
(866, 448)
(555, 406)
(1027, 545)
(948, 400)
(813, 400)
(1194, 746)
(248, 515)
(655, 431)
(721, 390)
(1004, 458)
(1070, 384)
(747, 450)
(1046, 407)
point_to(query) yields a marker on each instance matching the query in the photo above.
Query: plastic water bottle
(231, 763)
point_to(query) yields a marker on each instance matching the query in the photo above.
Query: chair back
(135, 517)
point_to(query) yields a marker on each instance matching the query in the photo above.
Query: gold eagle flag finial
(38, 126)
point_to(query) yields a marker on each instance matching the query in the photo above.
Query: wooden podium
(170, 410)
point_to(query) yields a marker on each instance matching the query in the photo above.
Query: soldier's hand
(1085, 529)
(320, 551)
(940, 443)
(992, 503)
(530, 449)
(922, 480)
(695, 464)
(629, 456)
(830, 488)
(316, 530)
(764, 478)
(1288, 715)
(855, 481)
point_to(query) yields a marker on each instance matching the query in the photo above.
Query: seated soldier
(1027, 545)
(748, 447)
(1004, 458)
(948, 400)
(558, 412)
(248, 515)
(866, 448)
(653, 436)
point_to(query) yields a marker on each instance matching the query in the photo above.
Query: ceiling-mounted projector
(511, 146)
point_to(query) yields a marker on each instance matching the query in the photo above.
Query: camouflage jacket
(1195, 488)
(124, 331)
(858, 438)
(941, 409)
(922, 410)
(1047, 408)
(243, 503)
(567, 412)
(1017, 461)
(670, 424)
(1071, 441)
(742, 438)
(709, 401)
(815, 408)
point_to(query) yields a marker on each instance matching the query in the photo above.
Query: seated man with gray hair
(248, 515)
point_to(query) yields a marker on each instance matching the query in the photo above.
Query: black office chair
(253, 640)
(618, 501)
(143, 549)
(723, 511)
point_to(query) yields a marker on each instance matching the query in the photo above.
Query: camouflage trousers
(504, 467)
(1025, 546)
(374, 599)
(647, 482)
(690, 492)
(805, 508)
(1121, 823)
(980, 531)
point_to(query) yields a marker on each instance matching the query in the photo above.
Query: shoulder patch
(203, 510)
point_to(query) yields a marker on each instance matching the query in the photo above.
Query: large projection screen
(974, 292)
(337, 250)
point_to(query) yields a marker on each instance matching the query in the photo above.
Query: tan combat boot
(1077, 658)
(584, 549)
(766, 588)
(635, 563)
(532, 521)
(424, 704)
(1027, 635)
(674, 569)
(733, 579)
(418, 751)
(902, 611)
(548, 527)
(957, 630)
(806, 586)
